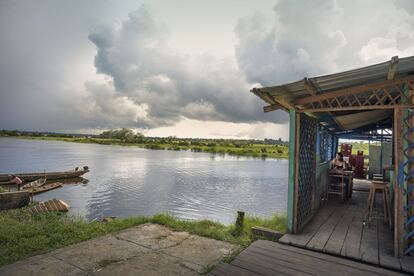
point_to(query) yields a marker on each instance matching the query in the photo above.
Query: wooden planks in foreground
(339, 229)
(272, 258)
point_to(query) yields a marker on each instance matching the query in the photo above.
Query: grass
(2, 190)
(249, 150)
(23, 234)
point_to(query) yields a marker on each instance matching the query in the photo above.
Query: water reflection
(128, 181)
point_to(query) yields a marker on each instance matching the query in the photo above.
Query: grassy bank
(23, 234)
(224, 147)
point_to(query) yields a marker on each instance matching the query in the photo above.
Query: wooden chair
(337, 187)
(374, 187)
(349, 175)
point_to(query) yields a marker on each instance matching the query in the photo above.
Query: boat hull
(43, 188)
(27, 177)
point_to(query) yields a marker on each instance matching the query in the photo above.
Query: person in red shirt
(16, 180)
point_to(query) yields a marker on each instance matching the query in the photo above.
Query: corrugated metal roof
(324, 84)
(361, 119)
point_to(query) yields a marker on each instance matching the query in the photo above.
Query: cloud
(106, 69)
(310, 38)
(214, 129)
(172, 86)
(103, 107)
(293, 46)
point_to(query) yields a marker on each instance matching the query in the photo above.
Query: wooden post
(240, 219)
(292, 165)
(296, 186)
(398, 194)
(315, 168)
(411, 165)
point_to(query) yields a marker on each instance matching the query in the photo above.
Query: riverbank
(229, 147)
(147, 249)
(23, 234)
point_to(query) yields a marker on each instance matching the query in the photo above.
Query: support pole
(398, 193)
(381, 154)
(292, 166)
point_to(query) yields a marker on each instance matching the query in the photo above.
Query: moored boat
(35, 184)
(53, 205)
(43, 188)
(5, 178)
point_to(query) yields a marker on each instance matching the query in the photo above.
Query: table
(343, 175)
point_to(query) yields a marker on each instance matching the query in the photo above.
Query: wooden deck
(340, 229)
(273, 258)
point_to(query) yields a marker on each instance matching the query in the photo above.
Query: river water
(129, 181)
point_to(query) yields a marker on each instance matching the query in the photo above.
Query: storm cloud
(310, 38)
(171, 85)
(65, 66)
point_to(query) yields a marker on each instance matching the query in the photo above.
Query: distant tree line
(16, 133)
(126, 135)
(123, 134)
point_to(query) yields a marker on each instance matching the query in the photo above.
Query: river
(130, 181)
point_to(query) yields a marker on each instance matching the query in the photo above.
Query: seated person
(339, 162)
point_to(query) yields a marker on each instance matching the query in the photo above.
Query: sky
(183, 67)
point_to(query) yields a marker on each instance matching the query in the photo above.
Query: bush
(154, 146)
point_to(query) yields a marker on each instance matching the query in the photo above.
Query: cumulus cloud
(108, 70)
(171, 85)
(310, 38)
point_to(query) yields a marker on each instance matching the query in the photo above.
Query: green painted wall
(291, 180)
(375, 157)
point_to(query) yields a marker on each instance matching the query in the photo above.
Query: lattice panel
(306, 176)
(326, 145)
(387, 95)
(406, 173)
(406, 178)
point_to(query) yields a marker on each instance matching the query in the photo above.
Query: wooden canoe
(27, 177)
(44, 188)
(53, 205)
(35, 184)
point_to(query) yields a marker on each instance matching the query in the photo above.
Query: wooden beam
(312, 115)
(352, 90)
(267, 97)
(392, 69)
(310, 87)
(267, 233)
(263, 95)
(353, 108)
(285, 103)
(272, 107)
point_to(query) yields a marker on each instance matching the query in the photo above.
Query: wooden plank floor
(273, 258)
(340, 229)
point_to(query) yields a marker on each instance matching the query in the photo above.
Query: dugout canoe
(36, 183)
(53, 205)
(43, 188)
(27, 177)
